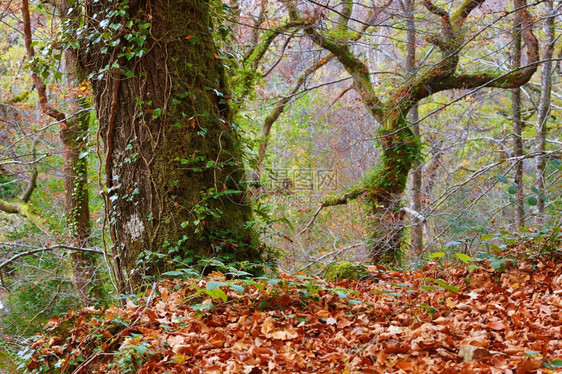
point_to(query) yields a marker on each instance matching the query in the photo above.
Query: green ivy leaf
(217, 294)
(464, 258)
(174, 273)
(487, 236)
(236, 287)
(141, 348)
(213, 285)
(501, 178)
(554, 364)
(200, 308)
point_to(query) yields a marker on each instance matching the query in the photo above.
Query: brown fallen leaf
(283, 334)
(496, 325)
(343, 323)
(528, 365)
(404, 365)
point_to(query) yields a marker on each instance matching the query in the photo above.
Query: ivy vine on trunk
(173, 157)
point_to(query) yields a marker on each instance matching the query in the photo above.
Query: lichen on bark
(173, 155)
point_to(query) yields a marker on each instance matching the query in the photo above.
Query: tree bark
(73, 134)
(517, 124)
(544, 109)
(172, 155)
(416, 241)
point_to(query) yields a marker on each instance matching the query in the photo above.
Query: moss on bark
(173, 154)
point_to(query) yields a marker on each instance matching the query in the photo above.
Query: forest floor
(456, 318)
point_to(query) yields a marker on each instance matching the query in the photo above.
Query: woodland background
(489, 175)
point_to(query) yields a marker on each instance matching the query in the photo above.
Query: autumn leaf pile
(389, 322)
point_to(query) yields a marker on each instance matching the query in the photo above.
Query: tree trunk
(544, 109)
(416, 242)
(517, 124)
(77, 210)
(172, 155)
(400, 150)
(74, 135)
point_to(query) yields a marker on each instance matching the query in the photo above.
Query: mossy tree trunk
(401, 149)
(517, 124)
(544, 108)
(172, 154)
(74, 135)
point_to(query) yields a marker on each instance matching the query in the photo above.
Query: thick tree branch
(442, 76)
(346, 12)
(358, 70)
(23, 209)
(39, 85)
(435, 9)
(464, 10)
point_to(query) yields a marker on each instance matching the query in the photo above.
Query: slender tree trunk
(73, 134)
(517, 124)
(544, 109)
(172, 155)
(74, 138)
(430, 173)
(413, 117)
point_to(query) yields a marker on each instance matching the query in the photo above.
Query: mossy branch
(515, 78)
(32, 182)
(253, 57)
(333, 201)
(442, 76)
(19, 98)
(346, 12)
(358, 70)
(464, 10)
(24, 209)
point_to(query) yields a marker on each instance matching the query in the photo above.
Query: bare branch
(280, 108)
(32, 182)
(46, 249)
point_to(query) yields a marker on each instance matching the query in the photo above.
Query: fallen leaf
(496, 325)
